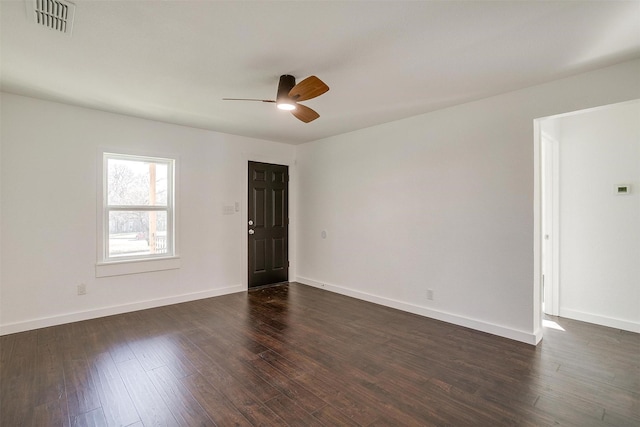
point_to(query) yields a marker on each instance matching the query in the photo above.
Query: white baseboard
(44, 322)
(502, 331)
(537, 336)
(610, 322)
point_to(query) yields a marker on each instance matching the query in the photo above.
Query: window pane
(136, 233)
(132, 182)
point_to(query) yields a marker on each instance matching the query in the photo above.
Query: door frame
(291, 244)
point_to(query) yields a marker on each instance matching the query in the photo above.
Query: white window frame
(110, 266)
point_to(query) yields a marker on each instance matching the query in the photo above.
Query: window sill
(121, 268)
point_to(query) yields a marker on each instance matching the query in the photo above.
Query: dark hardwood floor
(300, 356)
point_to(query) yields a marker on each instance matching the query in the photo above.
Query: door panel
(278, 262)
(260, 205)
(268, 224)
(279, 219)
(550, 223)
(259, 253)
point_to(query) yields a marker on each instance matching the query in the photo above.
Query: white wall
(599, 230)
(443, 201)
(50, 172)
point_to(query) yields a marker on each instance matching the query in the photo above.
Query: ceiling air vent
(53, 14)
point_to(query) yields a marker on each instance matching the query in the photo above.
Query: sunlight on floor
(551, 324)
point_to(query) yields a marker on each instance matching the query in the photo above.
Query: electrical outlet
(82, 289)
(430, 294)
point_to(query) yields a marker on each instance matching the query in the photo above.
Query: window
(138, 207)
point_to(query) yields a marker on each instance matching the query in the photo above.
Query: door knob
(250, 222)
(251, 231)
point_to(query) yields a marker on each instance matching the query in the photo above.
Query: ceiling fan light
(287, 106)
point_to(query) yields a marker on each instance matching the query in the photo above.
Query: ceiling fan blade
(248, 99)
(304, 113)
(308, 88)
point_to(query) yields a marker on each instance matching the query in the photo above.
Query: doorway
(586, 210)
(268, 224)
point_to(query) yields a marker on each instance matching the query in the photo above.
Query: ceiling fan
(289, 93)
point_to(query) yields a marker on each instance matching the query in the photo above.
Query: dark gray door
(268, 227)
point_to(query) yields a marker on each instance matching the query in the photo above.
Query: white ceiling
(173, 61)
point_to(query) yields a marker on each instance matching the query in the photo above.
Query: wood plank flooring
(299, 356)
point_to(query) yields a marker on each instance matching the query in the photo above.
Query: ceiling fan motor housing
(286, 83)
